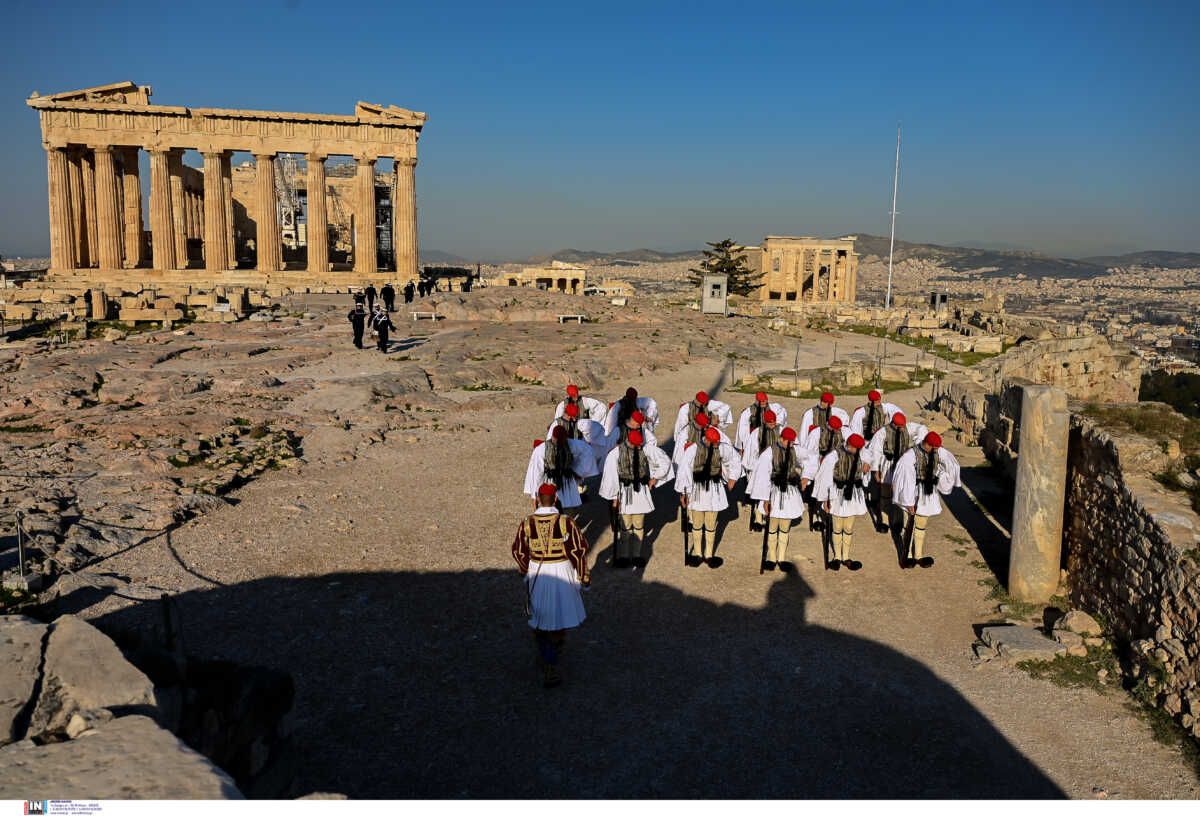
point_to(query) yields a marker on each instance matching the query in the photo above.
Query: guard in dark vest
(552, 555)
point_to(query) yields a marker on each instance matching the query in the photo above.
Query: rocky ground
(346, 516)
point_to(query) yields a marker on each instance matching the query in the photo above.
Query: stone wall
(1088, 368)
(1132, 555)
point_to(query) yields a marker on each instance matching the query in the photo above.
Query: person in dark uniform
(381, 324)
(421, 288)
(389, 297)
(409, 291)
(358, 321)
(371, 293)
(359, 298)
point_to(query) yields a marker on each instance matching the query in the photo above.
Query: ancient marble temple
(99, 232)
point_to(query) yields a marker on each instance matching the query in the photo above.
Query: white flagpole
(892, 245)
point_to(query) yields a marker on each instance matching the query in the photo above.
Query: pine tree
(720, 260)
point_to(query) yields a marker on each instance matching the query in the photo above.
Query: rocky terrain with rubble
(340, 520)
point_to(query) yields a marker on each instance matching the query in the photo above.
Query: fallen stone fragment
(1017, 643)
(20, 658)
(1079, 622)
(85, 670)
(128, 758)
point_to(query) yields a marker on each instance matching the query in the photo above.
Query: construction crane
(287, 174)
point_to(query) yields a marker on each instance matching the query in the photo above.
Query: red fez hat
(702, 420)
(761, 396)
(790, 434)
(856, 441)
(572, 410)
(899, 419)
(547, 490)
(769, 416)
(933, 439)
(638, 417)
(635, 437)
(812, 428)
(712, 435)
(874, 396)
(835, 422)
(827, 397)
(631, 393)
(559, 433)
(572, 390)
(702, 398)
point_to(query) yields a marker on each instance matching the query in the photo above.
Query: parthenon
(202, 217)
(806, 270)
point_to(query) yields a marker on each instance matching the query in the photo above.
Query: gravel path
(384, 585)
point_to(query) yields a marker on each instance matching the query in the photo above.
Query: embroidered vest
(896, 442)
(633, 468)
(846, 472)
(873, 420)
(927, 464)
(785, 468)
(547, 541)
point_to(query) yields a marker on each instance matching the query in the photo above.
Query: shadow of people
(423, 685)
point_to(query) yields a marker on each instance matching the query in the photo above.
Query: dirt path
(384, 585)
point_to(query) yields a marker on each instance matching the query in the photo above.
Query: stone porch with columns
(804, 272)
(98, 234)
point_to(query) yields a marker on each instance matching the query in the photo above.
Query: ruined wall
(1132, 555)
(1087, 368)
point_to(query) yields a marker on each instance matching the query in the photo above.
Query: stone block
(18, 312)
(21, 658)
(1018, 643)
(164, 303)
(128, 758)
(85, 670)
(156, 315)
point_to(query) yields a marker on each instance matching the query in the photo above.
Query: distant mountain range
(1013, 262)
(999, 262)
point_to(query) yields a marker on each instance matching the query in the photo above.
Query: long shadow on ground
(424, 685)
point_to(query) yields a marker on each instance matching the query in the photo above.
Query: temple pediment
(120, 93)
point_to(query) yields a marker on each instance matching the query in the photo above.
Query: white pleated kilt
(555, 595)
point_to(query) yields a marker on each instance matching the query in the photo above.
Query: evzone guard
(762, 438)
(589, 407)
(866, 421)
(926, 470)
(841, 484)
(749, 421)
(777, 483)
(818, 442)
(631, 471)
(706, 471)
(884, 450)
(617, 416)
(719, 413)
(562, 462)
(552, 555)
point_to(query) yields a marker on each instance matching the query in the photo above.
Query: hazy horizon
(1029, 127)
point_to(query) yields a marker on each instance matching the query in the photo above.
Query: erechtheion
(252, 225)
(806, 270)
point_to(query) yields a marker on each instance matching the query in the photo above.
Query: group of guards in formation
(835, 466)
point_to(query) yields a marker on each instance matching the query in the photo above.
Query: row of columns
(96, 215)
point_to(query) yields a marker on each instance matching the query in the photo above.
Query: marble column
(266, 215)
(317, 226)
(833, 275)
(162, 225)
(404, 219)
(816, 275)
(216, 238)
(227, 192)
(108, 209)
(62, 230)
(131, 181)
(189, 214)
(365, 261)
(78, 225)
(88, 166)
(178, 221)
(1036, 554)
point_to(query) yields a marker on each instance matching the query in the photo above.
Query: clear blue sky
(1065, 128)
